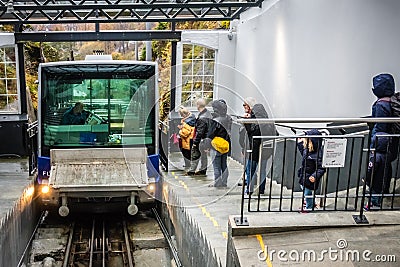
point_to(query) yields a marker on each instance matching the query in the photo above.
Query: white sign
(334, 153)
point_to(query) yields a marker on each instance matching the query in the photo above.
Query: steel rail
(91, 244)
(103, 250)
(128, 246)
(168, 238)
(69, 244)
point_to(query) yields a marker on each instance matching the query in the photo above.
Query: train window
(96, 106)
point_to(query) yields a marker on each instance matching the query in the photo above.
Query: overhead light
(10, 6)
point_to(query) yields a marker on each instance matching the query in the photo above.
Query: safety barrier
(345, 156)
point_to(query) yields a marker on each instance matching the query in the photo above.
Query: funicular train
(97, 134)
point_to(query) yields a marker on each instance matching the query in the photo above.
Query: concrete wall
(313, 58)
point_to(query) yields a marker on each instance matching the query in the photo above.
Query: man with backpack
(386, 149)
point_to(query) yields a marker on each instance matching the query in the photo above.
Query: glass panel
(94, 105)
(187, 86)
(187, 68)
(3, 102)
(12, 86)
(209, 67)
(10, 54)
(12, 103)
(186, 96)
(11, 70)
(209, 53)
(187, 51)
(198, 67)
(3, 87)
(198, 84)
(2, 70)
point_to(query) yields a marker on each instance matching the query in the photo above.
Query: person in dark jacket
(311, 169)
(378, 174)
(76, 115)
(220, 126)
(255, 145)
(199, 140)
(383, 89)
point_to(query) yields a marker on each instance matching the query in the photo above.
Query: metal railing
(345, 156)
(32, 135)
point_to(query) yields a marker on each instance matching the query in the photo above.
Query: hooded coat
(254, 129)
(383, 89)
(221, 123)
(311, 163)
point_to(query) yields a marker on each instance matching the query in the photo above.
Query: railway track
(105, 240)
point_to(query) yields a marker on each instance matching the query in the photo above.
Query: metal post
(242, 221)
(173, 71)
(148, 45)
(360, 218)
(21, 73)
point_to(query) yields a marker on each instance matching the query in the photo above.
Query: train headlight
(151, 188)
(45, 189)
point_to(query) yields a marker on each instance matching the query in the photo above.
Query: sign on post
(334, 153)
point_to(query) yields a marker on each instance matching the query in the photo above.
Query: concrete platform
(212, 208)
(14, 179)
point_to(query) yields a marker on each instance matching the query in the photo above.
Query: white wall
(316, 58)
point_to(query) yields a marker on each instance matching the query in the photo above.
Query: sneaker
(201, 173)
(369, 207)
(301, 210)
(188, 174)
(240, 184)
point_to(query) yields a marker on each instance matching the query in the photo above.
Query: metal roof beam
(85, 11)
(97, 36)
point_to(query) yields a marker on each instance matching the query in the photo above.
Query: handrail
(319, 120)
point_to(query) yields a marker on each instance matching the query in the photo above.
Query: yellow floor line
(267, 260)
(203, 209)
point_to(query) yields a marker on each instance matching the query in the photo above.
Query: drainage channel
(106, 240)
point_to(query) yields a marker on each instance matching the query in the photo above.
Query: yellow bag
(220, 144)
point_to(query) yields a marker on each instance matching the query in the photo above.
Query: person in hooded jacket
(311, 169)
(383, 89)
(255, 145)
(220, 126)
(186, 133)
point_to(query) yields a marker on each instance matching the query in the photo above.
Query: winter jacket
(311, 163)
(186, 133)
(202, 124)
(384, 88)
(221, 123)
(255, 129)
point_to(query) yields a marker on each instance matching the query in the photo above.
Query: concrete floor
(14, 178)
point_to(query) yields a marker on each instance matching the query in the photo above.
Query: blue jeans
(221, 171)
(251, 171)
(308, 197)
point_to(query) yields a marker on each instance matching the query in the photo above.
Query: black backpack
(395, 106)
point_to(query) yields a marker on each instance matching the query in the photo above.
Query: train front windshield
(97, 105)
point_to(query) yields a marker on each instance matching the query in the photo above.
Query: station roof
(97, 11)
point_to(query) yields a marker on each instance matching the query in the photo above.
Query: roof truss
(96, 11)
